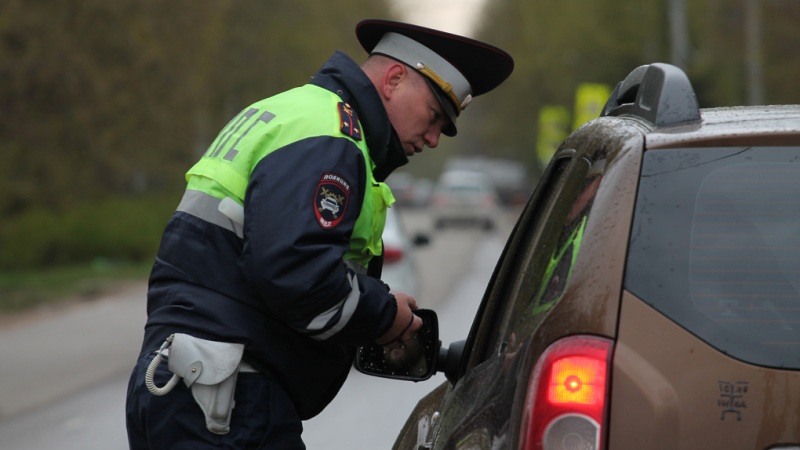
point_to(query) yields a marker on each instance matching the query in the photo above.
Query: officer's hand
(405, 324)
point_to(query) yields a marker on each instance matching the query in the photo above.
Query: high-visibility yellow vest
(273, 123)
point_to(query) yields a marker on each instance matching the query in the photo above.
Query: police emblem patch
(330, 200)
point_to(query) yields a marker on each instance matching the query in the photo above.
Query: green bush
(119, 229)
(23, 290)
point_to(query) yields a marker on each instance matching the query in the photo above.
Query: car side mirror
(421, 240)
(414, 361)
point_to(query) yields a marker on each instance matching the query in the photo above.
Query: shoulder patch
(348, 121)
(330, 200)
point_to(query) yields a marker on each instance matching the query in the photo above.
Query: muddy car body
(649, 295)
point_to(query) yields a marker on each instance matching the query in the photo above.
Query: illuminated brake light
(577, 380)
(565, 405)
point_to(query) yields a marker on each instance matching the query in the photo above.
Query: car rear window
(715, 246)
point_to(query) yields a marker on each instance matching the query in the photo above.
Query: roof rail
(658, 93)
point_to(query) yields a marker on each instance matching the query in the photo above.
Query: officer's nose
(432, 136)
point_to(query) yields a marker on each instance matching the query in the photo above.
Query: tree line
(106, 104)
(558, 45)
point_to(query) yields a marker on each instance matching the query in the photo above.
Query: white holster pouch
(208, 368)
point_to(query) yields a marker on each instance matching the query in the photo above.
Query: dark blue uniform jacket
(262, 289)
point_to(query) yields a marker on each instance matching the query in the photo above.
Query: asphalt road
(52, 353)
(64, 370)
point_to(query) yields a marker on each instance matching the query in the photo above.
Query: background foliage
(105, 104)
(558, 45)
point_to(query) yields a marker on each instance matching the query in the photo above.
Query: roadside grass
(22, 291)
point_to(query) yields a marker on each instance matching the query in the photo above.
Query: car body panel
(476, 407)
(759, 125)
(720, 403)
(419, 428)
(562, 275)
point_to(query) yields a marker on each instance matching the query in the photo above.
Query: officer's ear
(393, 77)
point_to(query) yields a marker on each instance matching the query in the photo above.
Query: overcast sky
(454, 16)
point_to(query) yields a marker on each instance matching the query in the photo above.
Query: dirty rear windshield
(715, 246)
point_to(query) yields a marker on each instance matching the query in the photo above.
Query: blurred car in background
(399, 260)
(509, 177)
(465, 197)
(648, 296)
(410, 191)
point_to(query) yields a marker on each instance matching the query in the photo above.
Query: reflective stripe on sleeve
(347, 307)
(207, 207)
(355, 267)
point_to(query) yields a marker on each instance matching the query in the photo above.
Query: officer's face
(416, 114)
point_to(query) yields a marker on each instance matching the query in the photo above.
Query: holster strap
(209, 369)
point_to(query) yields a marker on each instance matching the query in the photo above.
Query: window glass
(561, 244)
(559, 267)
(550, 243)
(501, 302)
(715, 246)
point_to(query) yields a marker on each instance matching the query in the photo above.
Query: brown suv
(649, 295)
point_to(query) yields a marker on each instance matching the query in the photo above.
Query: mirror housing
(417, 358)
(428, 356)
(450, 361)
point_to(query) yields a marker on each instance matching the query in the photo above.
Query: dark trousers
(263, 416)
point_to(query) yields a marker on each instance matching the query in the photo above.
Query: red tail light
(392, 255)
(565, 407)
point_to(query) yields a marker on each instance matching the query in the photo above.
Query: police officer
(268, 274)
